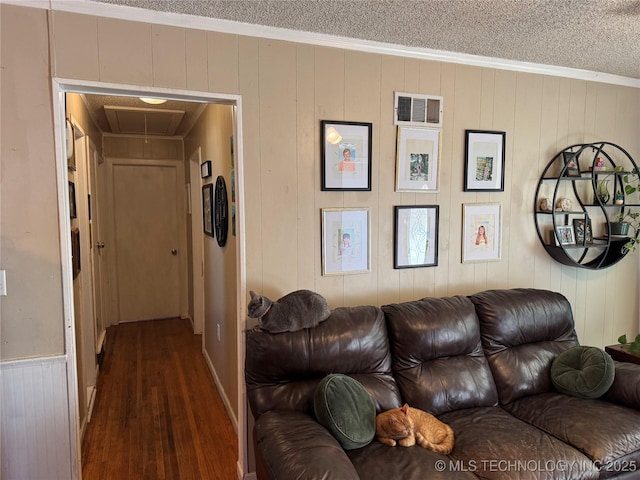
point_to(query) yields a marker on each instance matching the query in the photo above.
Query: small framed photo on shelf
(418, 155)
(484, 161)
(205, 169)
(582, 230)
(564, 235)
(207, 209)
(346, 155)
(345, 241)
(481, 232)
(571, 165)
(416, 236)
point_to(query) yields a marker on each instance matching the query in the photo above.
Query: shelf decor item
(481, 232)
(416, 236)
(565, 236)
(418, 156)
(582, 230)
(345, 241)
(484, 161)
(572, 168)
(346, 155)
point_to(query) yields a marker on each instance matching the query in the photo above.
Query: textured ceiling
(595, 35)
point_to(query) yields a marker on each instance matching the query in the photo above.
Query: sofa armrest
(626, 385)
(293, 446)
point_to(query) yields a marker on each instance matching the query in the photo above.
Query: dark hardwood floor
(157, 413)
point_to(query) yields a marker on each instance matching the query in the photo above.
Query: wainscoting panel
(34, 411)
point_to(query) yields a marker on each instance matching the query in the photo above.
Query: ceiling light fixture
(153, 101)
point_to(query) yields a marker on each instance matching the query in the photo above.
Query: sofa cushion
(523, 331)
(343, 406)
(607, 433)
(437, 356)
(585, 372)
(496, 445)
(377, 461)
(282, 371)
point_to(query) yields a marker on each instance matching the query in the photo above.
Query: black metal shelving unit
(594, 162)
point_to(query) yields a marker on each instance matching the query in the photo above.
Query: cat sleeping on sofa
(407, 426)
(296, 311)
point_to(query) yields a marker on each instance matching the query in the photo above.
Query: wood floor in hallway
(157, 414)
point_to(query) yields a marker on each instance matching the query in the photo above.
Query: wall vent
(417, 110)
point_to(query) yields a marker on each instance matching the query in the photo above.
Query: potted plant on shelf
(631, 346)
(626, 219)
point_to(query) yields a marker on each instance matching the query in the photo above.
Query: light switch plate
(3, 283)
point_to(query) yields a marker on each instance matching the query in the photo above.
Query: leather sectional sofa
(480, 363)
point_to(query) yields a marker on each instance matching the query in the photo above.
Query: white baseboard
(223, 394)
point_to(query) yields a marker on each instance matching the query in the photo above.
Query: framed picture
(75, 251)
(565, 236)
(72, 200)
(346, 155)
(205, 169)
(345, 241)
(416, 236)
(481, 232)
(207, 209)
(484, 161)
(418, 154)
(582, 230)
(572, 167)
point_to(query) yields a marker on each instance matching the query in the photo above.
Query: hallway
(157, 414)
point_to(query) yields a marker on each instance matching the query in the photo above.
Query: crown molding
(122, 12)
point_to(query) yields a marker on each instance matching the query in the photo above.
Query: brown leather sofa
(480, 363)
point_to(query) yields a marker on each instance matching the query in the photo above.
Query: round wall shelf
(576, 200)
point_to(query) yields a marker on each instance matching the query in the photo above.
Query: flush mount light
(152, 101)
(333, 136)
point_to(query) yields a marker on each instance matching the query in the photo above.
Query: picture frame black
(205, 169)
(484, 161)
(75, 251)
(346, 155)
(416, 236)
(582, 231)
(73, 212)
(207, 209)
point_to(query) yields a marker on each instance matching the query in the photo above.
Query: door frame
(197, 242)
(61, 86)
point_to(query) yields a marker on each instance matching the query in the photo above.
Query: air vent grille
(418, 110)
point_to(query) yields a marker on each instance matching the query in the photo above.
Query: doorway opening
(109, 182)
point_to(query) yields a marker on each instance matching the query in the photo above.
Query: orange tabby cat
(410, 425)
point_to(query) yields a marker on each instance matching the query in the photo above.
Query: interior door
(98, 253)
(146, 233)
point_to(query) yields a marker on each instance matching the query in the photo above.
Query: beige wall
(212, 133)
(286, 90)
(31, 314)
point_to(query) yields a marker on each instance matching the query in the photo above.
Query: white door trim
(60, 87)
(197, 243)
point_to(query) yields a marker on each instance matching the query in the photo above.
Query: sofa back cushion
(437, 355)
(523, 330)
(283, 370)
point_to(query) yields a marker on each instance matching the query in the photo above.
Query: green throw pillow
(585, 372)
(345, 408)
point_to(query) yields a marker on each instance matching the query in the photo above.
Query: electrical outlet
(218, 331)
